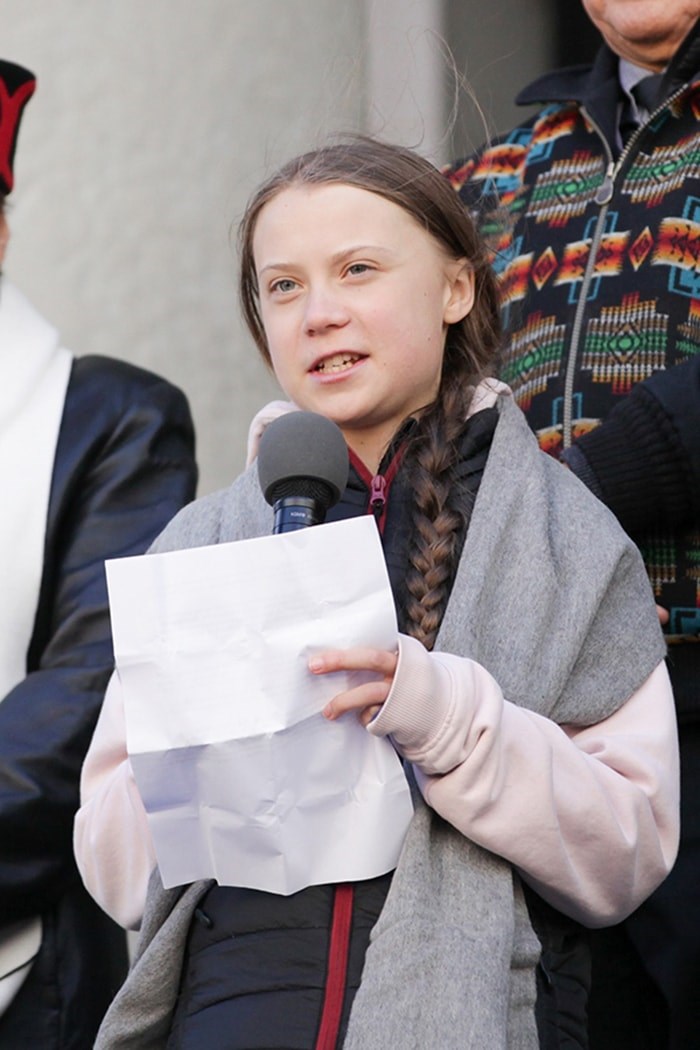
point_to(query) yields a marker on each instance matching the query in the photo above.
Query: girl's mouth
(337, 363)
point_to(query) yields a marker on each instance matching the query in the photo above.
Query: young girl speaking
(528, 695)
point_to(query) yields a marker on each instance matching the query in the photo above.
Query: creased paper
(242, 778)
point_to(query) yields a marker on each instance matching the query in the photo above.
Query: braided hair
(408, 180)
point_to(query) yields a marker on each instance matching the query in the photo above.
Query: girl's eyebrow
(337, 257)
(345, 253)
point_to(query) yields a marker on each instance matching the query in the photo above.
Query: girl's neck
(371, 448)
(369, 451)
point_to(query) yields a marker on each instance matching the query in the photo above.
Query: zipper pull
(377, 498)
(605, 190)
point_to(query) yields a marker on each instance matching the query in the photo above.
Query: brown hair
(408, 180)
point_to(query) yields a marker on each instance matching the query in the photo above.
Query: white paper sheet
(242, 778)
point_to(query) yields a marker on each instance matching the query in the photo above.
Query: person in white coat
(95, 456)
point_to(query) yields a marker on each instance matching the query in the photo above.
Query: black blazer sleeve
(124, 466)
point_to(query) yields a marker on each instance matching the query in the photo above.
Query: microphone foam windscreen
(305, 446)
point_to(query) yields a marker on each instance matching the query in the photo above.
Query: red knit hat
(16, 88)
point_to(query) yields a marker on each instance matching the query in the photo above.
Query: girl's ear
(461, 292)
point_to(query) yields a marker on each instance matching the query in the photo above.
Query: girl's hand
(367, 698)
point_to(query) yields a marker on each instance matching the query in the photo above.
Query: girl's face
(355, 299)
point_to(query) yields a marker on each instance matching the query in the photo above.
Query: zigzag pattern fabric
(577, 338)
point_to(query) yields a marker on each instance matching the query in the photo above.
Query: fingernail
(315, 664)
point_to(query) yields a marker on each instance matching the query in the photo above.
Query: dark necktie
(646, 91)
(646, 95)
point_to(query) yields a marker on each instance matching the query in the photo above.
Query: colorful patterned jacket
(598, 257)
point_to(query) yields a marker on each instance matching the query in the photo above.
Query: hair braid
(438, 517)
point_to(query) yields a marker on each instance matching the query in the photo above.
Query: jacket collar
(595, 86)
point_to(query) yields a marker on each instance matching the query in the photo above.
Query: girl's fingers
(366, 698)
(360, 658)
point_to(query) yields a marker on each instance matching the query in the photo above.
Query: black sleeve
(643, 461)
(124, 466)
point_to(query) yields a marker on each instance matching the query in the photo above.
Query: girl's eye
(354, 269)
(285, 284)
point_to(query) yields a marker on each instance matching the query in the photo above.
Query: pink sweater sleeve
(112, 841)
(588, 816)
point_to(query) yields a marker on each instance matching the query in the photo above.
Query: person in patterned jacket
(592, 213)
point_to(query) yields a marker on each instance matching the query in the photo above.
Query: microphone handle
(297, 512)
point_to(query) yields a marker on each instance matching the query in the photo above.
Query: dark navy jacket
(124, 465)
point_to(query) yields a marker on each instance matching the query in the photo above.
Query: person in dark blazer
(96, 456)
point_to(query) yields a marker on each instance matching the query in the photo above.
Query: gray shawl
(551, 597)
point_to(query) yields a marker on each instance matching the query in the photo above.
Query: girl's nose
(323, 310)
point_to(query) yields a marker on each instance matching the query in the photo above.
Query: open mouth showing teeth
(338, 363)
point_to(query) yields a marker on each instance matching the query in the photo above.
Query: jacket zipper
(605, 190)
(603, 197)
(336, 976)
(343, 895)
(377, 495)
(378, 485)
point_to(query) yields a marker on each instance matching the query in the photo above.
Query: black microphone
(302, 468)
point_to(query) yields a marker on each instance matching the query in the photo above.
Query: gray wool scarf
(553, 599)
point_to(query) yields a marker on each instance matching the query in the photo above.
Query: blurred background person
(96, 456)
(592, 210)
